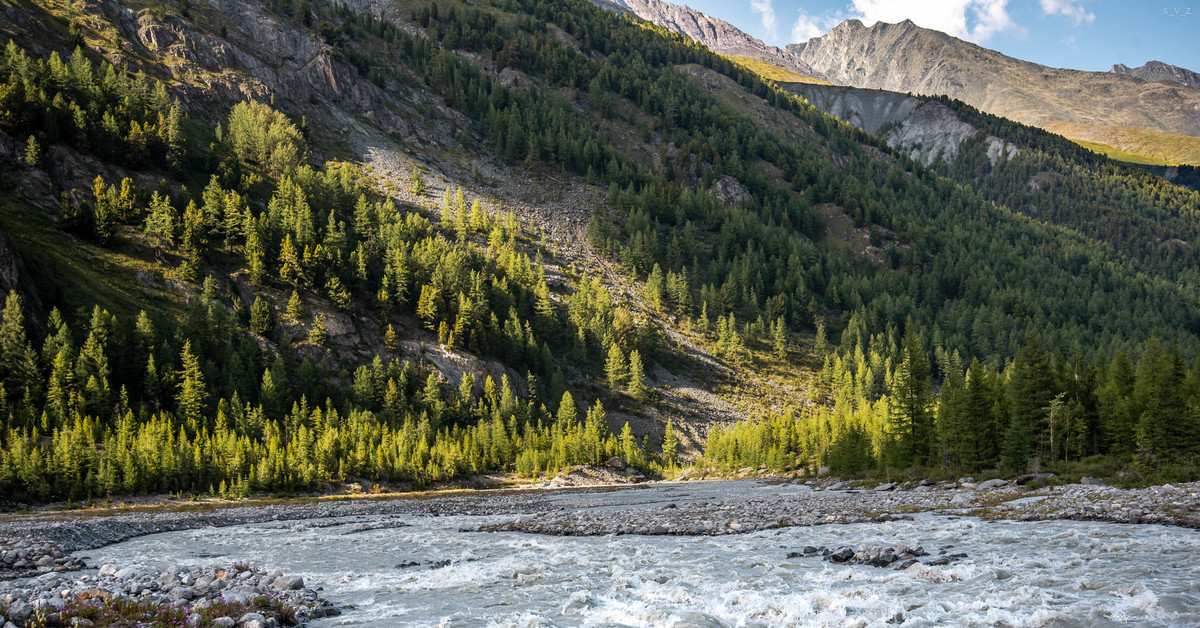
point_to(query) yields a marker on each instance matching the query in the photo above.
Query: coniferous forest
(989, 324)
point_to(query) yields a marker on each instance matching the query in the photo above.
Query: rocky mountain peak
(715, 34)
(1156, 98)
(1159, 71)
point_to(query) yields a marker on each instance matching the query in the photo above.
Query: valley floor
(42, 554)
(536, 508)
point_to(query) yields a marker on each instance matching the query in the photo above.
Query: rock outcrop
(717, 35)
(1159, 71)
(925, 129)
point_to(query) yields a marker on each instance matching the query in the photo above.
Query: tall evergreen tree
(911, 426)
(193, 395)
(1031, 389)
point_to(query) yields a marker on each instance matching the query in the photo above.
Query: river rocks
(251, 620)
(887, 486)
(291, 583)
(1022, 480)
(961, 500)
(615, 463)
(989, 485)
(130, 590)
(840, 556)
(900, 557)
(25, 557)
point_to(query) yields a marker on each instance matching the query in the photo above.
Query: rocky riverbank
(233, 595)
(36, 552)
(819, 502)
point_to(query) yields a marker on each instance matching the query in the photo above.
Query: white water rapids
(1051, 573)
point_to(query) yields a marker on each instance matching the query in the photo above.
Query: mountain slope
(1159, 71)
(717, 35)
(908, 59)
(1030, 171)
(420, 244)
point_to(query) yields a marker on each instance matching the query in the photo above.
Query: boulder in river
(992, 484)
(842, 555)
(886, 486)
(1022, 480)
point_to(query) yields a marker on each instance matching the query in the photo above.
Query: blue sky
(1081, 34)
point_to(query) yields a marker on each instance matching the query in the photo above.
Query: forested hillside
(232, 294)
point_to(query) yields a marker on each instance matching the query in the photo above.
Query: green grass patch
(1117, 154)
(73, 274)
(772, 72)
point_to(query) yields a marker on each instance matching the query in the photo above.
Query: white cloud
(808, 26)
(973, 20)
(1069, 9)
(766, 13)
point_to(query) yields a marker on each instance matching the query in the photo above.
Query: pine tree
(262, 317)
(954, 439)
(427, 305)
(18, 361)
(615, 368)
(478, 218)
(821, 343)
(295, 307)
(911, 424)
(317, 335)
(33, 152)
(655, 287)
(192, 393)
(416, 183)
(1030, 387)
(669, 445)
(982, 444)
(160, 222)
(256, 256)
(629, 449)
(779, 340)
(1164, 429)
(567, 412)
(389, 339)
(174, 132)
(637, 377)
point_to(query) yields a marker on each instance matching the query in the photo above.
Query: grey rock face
(717, 35)
(906, 58)
(925, 129)
(1159, 71)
